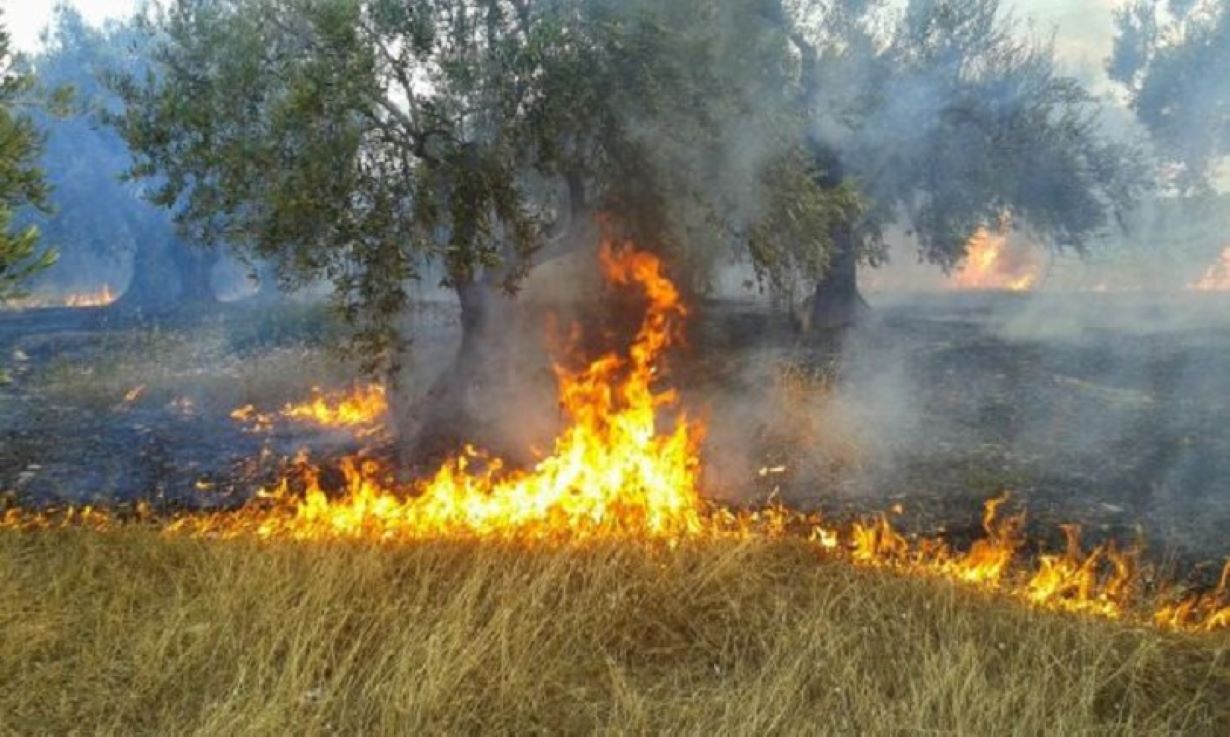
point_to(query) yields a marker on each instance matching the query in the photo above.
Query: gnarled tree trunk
(836, 302)
(460, 405)
(194, 267)
(168, 275)
(453, 411)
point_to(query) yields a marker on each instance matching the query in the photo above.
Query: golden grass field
(136, 632)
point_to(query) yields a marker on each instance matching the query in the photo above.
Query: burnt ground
(1099, 409)
(1106, 410)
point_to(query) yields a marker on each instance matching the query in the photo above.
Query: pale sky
(25, 19)
(1084, 30)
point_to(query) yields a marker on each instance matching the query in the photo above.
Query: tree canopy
(22, 183)
(362, 139)
(951, 117)
(1172, 56)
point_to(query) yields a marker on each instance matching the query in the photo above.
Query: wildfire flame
(627, 465)
(101, 298)
(613, 469)
(991, 264)
(362, 407)
(1217, 277)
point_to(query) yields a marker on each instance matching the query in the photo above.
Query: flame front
(626, 464)
(613, 469)
(991, 264)
(99, 298)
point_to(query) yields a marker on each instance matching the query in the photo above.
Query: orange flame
(364, 405)
(991, 264)
(101, 298)
(361, 408)
(613, 469)
(627, 465)
(1217, 277)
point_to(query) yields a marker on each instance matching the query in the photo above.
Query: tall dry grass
(132, 632)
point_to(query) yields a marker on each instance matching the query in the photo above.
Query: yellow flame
(613, 469)
(362, 409)
(364, 405)
(627, 465)
(990, 264)
(101, 298)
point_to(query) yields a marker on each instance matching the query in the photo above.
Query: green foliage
(364, 142)
(793, 239)
(1172, 57)
(950, 118)
(21, 180)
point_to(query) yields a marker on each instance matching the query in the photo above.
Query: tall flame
(613, 469)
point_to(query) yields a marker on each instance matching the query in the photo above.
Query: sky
(1083, 27)
(25, 19)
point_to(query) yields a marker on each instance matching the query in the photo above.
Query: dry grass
(134, 632)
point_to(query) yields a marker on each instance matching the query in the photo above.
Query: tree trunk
(450, 414)
(267, 289)
(194, 267)
(149, 290)
(168, 275)
(836, 302)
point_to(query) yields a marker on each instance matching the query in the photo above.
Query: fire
(1201, 612)
(361, 408)
(101, 298)
(1217, 277)
(614, 469)
(627, 465)
(990, 263)
(364, 405)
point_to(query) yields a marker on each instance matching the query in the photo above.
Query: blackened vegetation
(1121, 430)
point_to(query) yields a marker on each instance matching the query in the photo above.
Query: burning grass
(595, 590)
(95, 298)
(138, 632)
(362, 408)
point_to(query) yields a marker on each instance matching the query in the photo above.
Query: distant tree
(22, 182)
(98, 216)
(1173, 57)
(947, 118)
